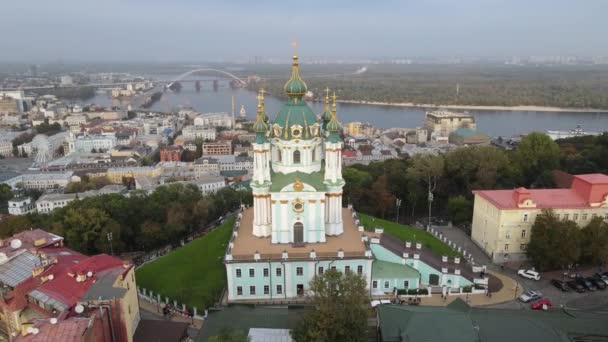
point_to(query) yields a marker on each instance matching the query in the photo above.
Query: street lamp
(109, 235)
(398, 203)
(430, 204)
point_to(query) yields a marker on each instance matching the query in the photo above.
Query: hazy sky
(196, 30)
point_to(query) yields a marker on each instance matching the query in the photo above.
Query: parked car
(573, 284)
(561, 285)
(602, 277)
(541, 304)
(529, 296)
(599, 283)
(586, 283)
(530, 274)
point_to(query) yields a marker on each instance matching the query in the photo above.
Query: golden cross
(294, 44)
(327, 92)
(333, 97)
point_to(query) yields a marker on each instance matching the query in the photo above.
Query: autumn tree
(594, 242)
(340, 313)
(537, 155)
(554, 243)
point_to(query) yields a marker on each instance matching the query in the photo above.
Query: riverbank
(470, 107)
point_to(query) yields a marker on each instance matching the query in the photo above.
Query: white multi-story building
(6, 148)
(49, 202)
(88, 143)
(217, 163)
(214, 120)
(21, 206)
(198, 131)
(42, 180)
(208, 184)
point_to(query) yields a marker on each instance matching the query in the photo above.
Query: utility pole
(110, 240)
(430, 202)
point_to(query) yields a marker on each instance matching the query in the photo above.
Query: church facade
(297, 227)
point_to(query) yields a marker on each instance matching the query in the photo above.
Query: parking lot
(596, 300)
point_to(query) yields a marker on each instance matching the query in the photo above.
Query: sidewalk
(153, 309)
(509, 291)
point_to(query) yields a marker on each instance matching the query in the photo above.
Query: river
(493, 123)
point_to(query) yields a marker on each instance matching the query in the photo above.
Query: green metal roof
(246, 317)
(460, 322)
(464, 132)
(295, 86)
(314, 179)
(295, 112)
(390, 270)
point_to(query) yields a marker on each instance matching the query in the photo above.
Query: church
(297, 227)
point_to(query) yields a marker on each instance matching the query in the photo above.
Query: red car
(538, 305)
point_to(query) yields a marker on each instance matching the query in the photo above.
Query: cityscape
(309, 186)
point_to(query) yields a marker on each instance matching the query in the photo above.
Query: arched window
(298, 232)
(296, 157)
(279, 159)
(314, 154)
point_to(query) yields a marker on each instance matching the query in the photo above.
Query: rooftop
(459, 322)
(246, 244)
(384, 269)
(585, 190)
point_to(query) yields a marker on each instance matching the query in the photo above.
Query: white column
(285, 238)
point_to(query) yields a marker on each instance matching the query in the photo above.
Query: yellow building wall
(507, 231)
(130, 302)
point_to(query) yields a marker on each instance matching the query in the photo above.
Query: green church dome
(295, 86)
(295, 120)
(260, 127)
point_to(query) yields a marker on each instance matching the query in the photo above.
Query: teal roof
(295, 86)
(460, 322)
(385, 270)
(295, 112)
(280, 180)
(246, 317)
(464, 132)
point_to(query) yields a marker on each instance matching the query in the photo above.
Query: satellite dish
(16, 243)
(35, 331)
(79, 309)
(89, 274)
(51, 277)
(29, 330)
(53, 320)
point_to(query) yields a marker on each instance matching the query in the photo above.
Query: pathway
(509, 291)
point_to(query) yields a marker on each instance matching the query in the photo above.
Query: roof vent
(79, 308)
(53, 320)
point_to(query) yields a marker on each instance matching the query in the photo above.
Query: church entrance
(298, 233)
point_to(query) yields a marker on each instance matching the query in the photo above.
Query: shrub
(467, 289)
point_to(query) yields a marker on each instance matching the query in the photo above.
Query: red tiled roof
(585, 189)
(65, 288)
(66, 330)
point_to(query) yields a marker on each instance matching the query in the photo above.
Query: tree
(537, 155)
(423, 176)
(460, 210)
(384, 201)
(340, 309)
(230, 335)
(554, 244)
(594, 242)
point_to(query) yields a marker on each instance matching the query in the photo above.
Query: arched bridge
(186, 74)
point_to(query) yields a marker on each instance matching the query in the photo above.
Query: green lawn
(407, 233)
(193, 274)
